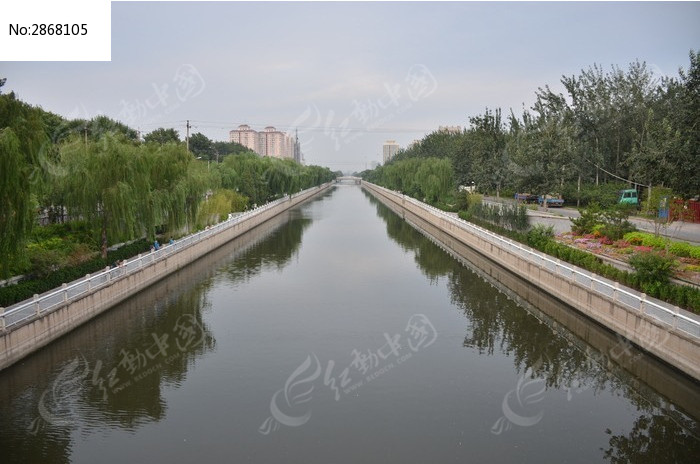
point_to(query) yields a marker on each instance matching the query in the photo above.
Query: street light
(199, 158)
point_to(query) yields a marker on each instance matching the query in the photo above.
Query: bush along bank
(651, 274)
(39, 284)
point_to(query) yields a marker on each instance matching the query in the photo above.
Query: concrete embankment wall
(675, 347)
(19, 341)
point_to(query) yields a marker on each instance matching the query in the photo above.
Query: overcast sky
(348, 75)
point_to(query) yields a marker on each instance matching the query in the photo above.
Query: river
(338, 333)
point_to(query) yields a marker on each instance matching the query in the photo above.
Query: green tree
(105, 184)
(229, 148)
(162, 136)
(22, 136)
(201, 146)
(485, 145)
(435, 178)
(681, 107)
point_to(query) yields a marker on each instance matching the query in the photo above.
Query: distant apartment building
(450, 129)
(268, 142)
(245, 136)
(390, 148)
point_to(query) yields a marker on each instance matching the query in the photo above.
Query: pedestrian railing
(667, 314)
(41, 304)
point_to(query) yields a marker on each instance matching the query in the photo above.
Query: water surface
(339, 333)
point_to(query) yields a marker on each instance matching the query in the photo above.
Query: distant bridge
(349, 179)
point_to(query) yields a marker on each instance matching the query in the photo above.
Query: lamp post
(199, 158)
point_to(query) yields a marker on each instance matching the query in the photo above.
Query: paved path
(559, 219)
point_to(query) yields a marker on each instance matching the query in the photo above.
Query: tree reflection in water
(497, 323)
(113, 372)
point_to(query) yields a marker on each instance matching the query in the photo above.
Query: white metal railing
(668, 314)
(41, 304)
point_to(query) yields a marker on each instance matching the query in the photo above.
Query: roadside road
(559, 219)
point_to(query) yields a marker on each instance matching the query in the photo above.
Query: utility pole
(187, 135)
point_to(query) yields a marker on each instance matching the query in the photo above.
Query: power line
(326, 127)
(314, 128)
(615, 175)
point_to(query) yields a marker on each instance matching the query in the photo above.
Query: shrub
(615, 222)
(511, 217)
(684, 250)
(586, 223)
(462, 200)
(606, 194)
(539, 236)
(652, 268)
(41, 283)
(683, 296)
(655, 242)
(634, 238)
(611, 222)
(646, 239)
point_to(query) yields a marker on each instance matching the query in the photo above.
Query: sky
(348, 76)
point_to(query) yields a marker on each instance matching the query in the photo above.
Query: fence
(42, 304)
(638, 301)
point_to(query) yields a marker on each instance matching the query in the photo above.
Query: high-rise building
(269, 142)
(390, 148)
(245, 136)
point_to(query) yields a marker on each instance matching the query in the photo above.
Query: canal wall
(31, 325)
(669, 334)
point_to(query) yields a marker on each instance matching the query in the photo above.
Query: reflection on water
(660, 434)
(272, 253)
(112, 372)
(105, 378)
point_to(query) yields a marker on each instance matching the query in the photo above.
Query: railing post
(65, 292)
(2, 319)
(675, 316)
(615, 290)
(87, 276)
(642, 302)
(36, 304)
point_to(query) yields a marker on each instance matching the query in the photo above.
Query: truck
(554, 201)
(526, 198)
(629, 197)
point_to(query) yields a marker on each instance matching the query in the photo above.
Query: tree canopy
(619, 124)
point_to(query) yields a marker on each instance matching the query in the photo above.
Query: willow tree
(105, 184)
(279, 177)
(21, 138)
(173, 186)
(435, 178)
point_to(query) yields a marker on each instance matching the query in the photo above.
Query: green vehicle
(629, 197)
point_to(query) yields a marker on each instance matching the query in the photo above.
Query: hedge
(33, 285)
(680, 295)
